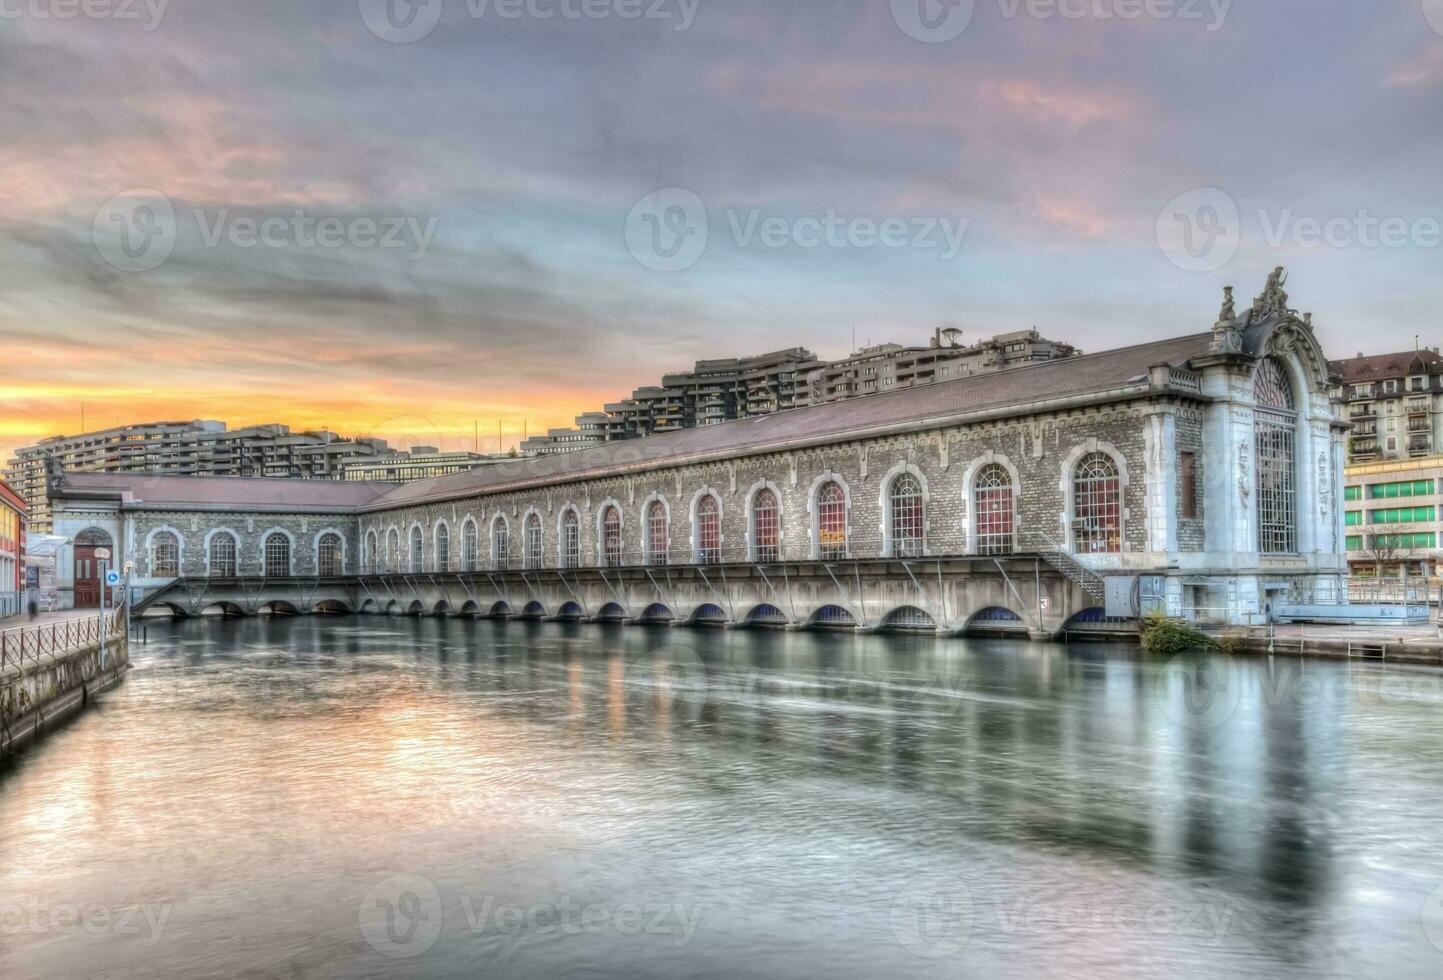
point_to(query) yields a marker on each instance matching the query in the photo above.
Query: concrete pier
(51, 671)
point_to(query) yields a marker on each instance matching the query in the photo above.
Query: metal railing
(22, 643)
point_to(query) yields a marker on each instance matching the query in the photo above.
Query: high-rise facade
(1394, 402)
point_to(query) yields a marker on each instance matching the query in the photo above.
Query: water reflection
(314, 797)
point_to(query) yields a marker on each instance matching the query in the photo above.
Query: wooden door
(87, 577)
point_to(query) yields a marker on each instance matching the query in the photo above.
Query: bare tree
(1382, 550)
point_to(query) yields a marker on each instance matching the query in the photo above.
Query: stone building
(1208, 465)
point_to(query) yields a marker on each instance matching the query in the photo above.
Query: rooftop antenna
(475, 436)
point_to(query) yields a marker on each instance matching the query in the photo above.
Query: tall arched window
(1096, 505)
(611, 537)
(222, 558)
(992, 510)
(393, 550)
(165, 555)
(1276, 426)
(766, 527)
(417, 549)
(656, 533)
(908, 517)
(443, 548)
(500, 543)
(708, 530)
(278, 555)
(831, 521)
(533, 553)
(373, 557)
(330, 555)
(470, 545)
(569, 546)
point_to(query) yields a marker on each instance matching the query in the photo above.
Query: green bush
(1165, 636)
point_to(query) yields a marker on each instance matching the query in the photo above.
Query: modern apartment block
(419, 463)
(201, 447)
(1391, 514)
(1394, 402)
(745, 387)
(884, 367)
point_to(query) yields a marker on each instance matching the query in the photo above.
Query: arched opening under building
(766, 616)
(278, 607)
(533, 610)
(709, 614)
(611, 613)
(499, 609)
(222, 610)
(331, 607)
(656, 613)
(570, 610)
(833, 618)
(994, 621)
(909, 619)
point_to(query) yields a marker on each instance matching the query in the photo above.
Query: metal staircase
(1069, 565)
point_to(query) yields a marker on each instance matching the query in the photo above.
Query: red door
(87, 577)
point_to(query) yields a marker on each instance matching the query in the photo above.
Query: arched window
(393, 550)
(766, 527)
(278, 555)
(470, 545)
(1096, 505)
(611, 537)
(908, 517)
(656, 533)
(569, 547)
(1276, 426)
(373, 558)
(165, 555)
(992, 510)
(831, 521)
(222, 561)
(533, 553)
(708, 530)
(443, 548)
(500, 543)
(417, 549)
(330, 555)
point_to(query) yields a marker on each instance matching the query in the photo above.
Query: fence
(53, 639)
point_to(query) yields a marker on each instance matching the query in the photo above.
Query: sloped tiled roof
(247, 493)
(1381, 367)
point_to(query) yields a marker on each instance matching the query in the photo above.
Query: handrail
(21, 643)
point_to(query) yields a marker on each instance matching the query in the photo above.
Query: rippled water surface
(367, 798)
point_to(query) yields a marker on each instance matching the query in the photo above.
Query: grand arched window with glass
(656, 533)
(470, 546)
(708, 530)
(992, 509)
(610, 537)
(165, 555)
(373, 557)
(500, 543)
(908, 517)
(443, 548)
(831, 521)
(569, 546)
(393, 550)
(222, 558)
(532, 554)
(417, 549)
(1096, 505)
(330, 555)
(766, 527)
(278, 555)
(1276, 426)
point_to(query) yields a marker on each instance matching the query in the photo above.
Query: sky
(417, 219)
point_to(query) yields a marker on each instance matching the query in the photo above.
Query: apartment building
(1394, 402)
(419, 463)
(201, 447)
